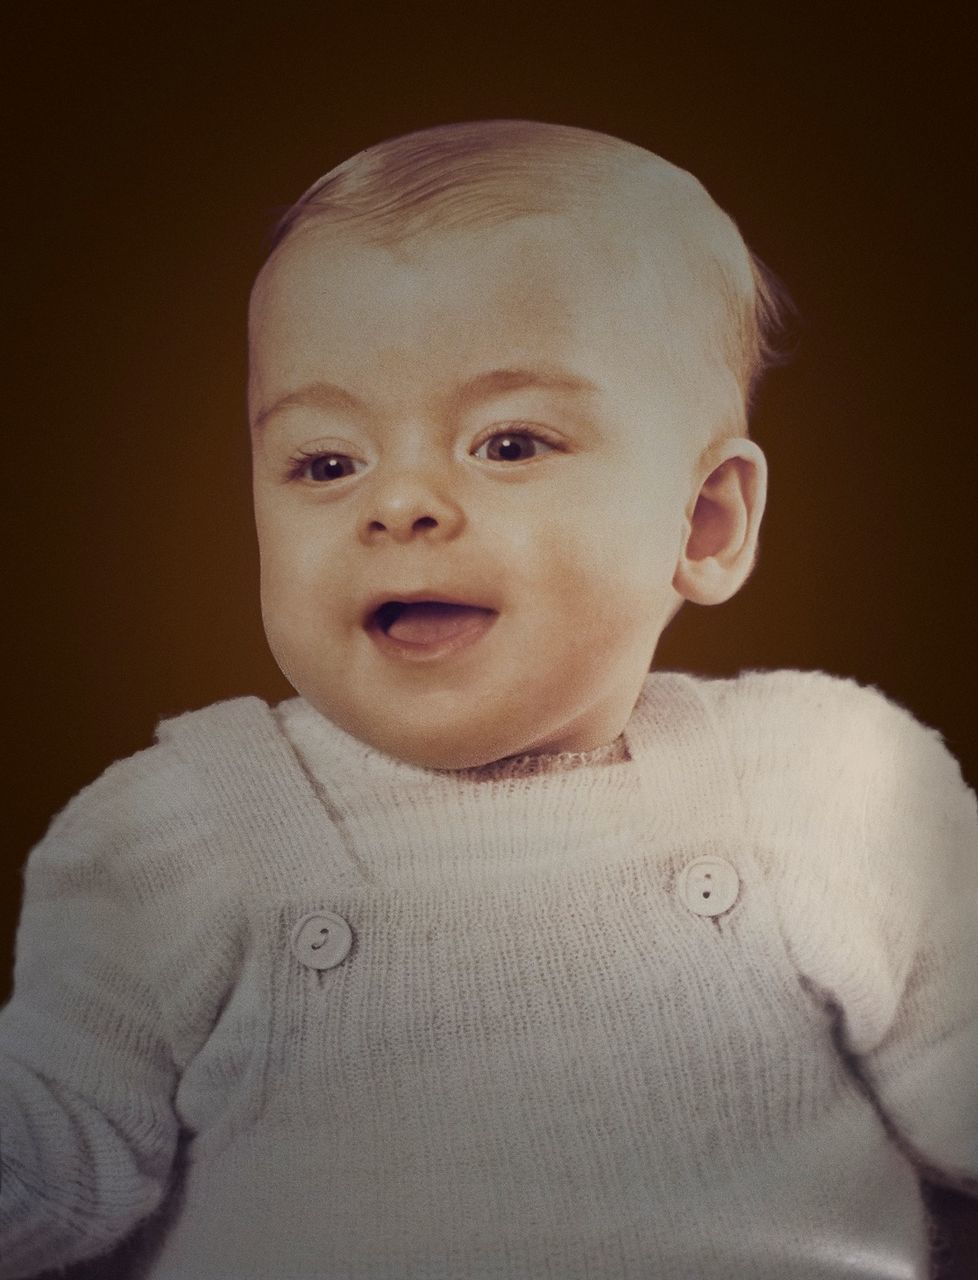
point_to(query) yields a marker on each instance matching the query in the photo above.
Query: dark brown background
(153, 150)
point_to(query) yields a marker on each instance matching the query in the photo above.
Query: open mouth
(425, 624)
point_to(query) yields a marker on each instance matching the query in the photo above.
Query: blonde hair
(490, 171)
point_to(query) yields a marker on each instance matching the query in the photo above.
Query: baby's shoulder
(795, 733)
(811, 709)
(160, 792)
(817, 691)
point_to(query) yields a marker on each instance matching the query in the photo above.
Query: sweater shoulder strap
(685, 762)
(250, 779)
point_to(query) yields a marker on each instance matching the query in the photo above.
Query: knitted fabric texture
(536, 1060)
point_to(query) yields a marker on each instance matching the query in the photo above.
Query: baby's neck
(527, 764)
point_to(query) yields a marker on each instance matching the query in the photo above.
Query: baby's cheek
(595, 608)
(622, 566)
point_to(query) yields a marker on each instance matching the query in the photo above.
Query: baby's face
(472, 470)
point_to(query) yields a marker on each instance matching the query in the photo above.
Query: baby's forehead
(558, 309)
(669, 246)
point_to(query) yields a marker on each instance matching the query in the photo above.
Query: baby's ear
(723, 523)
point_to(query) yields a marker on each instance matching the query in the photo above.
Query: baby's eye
(512, 446)
(320, 467)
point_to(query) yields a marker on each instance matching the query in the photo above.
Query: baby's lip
(426, 626)
(382, 609)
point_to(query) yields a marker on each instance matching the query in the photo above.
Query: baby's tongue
(428, 621)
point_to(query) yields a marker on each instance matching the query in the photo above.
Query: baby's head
(499, 381)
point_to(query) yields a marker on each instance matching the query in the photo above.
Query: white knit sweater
(537, 1059)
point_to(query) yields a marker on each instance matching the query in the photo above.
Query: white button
(709, 886)
(321, 939)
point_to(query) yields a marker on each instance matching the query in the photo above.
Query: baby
(491, 954)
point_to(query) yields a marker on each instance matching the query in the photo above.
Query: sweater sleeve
(87, 1130)
(870, 838)
(923, 1068)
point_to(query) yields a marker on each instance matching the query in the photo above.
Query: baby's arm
(87, 1129)
(873, 841)
(924, 1067)
(873, 851)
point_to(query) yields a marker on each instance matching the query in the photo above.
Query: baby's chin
(443, 751)
(454, 746)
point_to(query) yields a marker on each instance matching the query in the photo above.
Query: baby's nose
(407, 505)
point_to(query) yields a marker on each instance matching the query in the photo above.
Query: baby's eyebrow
(326, 395)
(314, 395)
(496, 381)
